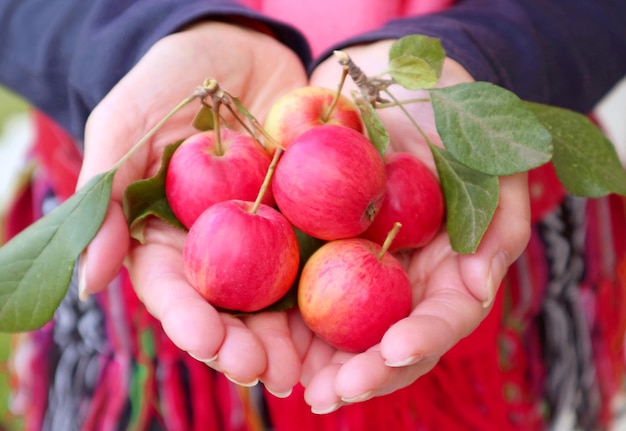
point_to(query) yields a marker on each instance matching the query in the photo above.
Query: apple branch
(370, 87)
(409, 116)
(201, 92)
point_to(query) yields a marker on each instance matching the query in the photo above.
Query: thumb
(505, 240)
(107, 139)
(103, 258)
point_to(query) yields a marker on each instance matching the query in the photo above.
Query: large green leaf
(584, 159)
(490, 129)
(37, 265)
(471, 200)
(146, 197)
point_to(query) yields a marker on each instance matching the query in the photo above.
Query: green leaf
(489, 129)
(471, 200)
(37, 265)
(203, 120)
(413, 73)
(423, 54)
(146, 197)
(376, 130)
(585, 160)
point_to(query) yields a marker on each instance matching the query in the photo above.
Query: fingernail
(82, 278)
(411, 360)
(279, 394)
(359, 398)
(206, 361)
(244, 384)
(497, 270)
(326, 410)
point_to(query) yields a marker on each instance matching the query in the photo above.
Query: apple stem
(402, 102)
(390, 237)
(217, 102)
(344, 73)
(266, 181)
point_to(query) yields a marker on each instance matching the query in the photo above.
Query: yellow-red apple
(306, 107)
(351, 292)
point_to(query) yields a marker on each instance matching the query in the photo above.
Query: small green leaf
(471, 200)
(376, 130)
(203, 120)
(146, 197)
(413, 73)
(425, 48)
(37, 264)
(489, 129)
(584, 159)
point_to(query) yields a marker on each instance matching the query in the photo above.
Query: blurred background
(16, 135)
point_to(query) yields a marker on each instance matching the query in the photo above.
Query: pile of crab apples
(241, 202)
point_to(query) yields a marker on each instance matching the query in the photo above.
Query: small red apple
(414, 198)
(330, 182)
(306, 107)
(201, 173)
(351, 291)
(241, 260)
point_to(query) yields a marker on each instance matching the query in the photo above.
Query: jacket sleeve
(64, 56)
(566, 53)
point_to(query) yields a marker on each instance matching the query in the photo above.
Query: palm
(452, 292)
(246, 348)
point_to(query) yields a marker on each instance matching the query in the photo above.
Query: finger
(241, 356)
(102, 259)
(300, 333)
(318, 356)
(366, 376)
(283, 362)
(157, 276)
(320, 393)
(446, 312)
(505, 239)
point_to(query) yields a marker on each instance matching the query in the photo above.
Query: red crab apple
(414, 198)
(306, 107)
(240, 259)
(330, 182)
(351, 291)
(202, 173)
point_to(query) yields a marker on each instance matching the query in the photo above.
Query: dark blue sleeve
(64, 56)
(566, 53)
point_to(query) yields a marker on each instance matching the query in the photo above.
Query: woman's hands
(250, 65)
(452, 292)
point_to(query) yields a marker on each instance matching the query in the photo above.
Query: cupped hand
(250, 65)
(452, 292)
